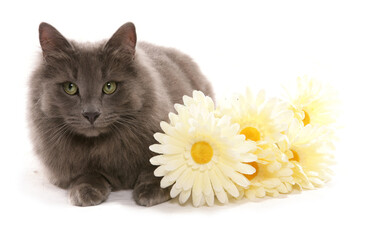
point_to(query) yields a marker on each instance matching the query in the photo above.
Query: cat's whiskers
(58, 134)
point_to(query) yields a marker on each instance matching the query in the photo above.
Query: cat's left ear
(124, 38)
(51, 40)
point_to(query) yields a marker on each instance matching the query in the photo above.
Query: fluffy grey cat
(95, 107)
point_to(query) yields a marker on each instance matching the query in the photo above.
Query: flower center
(251, 133)
(307, 119)
(252, 176)
(295, 156)
(201, 152)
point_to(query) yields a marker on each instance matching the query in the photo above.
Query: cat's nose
(91, 116)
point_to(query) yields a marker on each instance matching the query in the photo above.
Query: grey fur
(91, 160)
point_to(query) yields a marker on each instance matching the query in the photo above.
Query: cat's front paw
(146, 194)
(86, 195)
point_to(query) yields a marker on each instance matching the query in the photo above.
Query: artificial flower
(273, 174)
(309, 148)
(262, 121)
(313, 102)
(202, 155)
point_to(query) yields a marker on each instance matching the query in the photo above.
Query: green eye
(109, 87)
(70, 88)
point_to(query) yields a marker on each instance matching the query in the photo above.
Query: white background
(261, 44)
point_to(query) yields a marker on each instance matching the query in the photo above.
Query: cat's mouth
(92, 131)
(88, 129)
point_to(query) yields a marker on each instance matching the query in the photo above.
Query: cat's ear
(124, 38)
(51, 40)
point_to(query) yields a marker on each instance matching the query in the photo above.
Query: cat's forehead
(89, 58)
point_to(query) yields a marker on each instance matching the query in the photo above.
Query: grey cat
(94, 108)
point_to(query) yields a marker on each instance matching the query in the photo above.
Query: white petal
(198, 185)
(171, 177)
(174, 164)
(245, 168)
(184, 178)
(249, 157)
(282, 188)
(207, 187)
(217, 186)
(285, 172)
(271, 183)
(184, 195)
(250, 194)
(260, 192)
(316, 181)
(227, 184)
(210, 199)
(168, 140)
(168, 129)
(160, 171)
(222, 196)
(188, 184)
(166, 149)
(187, 100)
(260, 98)
(240, 179)
(173, 118)
(198, 95)
(196, 199)
(158, 160)
(175, 191)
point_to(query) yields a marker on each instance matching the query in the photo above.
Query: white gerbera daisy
(273, 174)
(202, 155)
(199, 102)
(309, 148)
(312, 102)
(260, 120)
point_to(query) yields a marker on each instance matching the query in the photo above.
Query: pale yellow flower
(202, 155)
(313, 102)
(260, 120)
(309, 148)
(273, 174)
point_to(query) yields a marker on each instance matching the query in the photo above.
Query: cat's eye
(70, 88)
(109, 87)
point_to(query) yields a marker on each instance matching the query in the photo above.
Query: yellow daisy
(309, 148)
(260, 120)
(264, 122)
(273, 174)
(202, 155)
(312, 102)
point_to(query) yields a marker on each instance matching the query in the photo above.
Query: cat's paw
(150, 194)
(86, 195)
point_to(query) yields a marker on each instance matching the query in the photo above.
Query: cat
(94, 108)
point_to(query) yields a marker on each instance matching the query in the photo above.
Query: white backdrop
(261, 44)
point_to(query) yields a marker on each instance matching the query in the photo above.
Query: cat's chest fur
(118, 156)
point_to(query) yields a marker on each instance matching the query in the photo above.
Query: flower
(202, 155)
(312, 102)
(199, 102)
(309, 148)
(273, 174)
(264, 122)
(260, 121)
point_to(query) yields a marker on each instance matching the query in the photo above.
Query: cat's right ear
(123, 39)
(51, 40)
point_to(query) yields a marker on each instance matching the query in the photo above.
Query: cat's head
(88, 86)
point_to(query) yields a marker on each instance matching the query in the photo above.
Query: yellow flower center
(252, 176)
(201, 152)
(295, 156)
(306, 120)
(251, 133)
